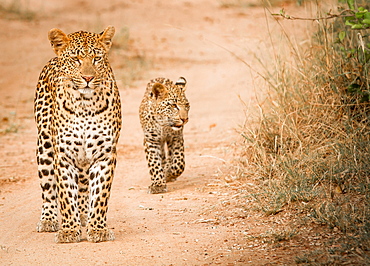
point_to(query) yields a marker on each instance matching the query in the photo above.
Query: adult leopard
(78, 115)
(163, 114)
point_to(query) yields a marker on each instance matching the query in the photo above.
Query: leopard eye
(76, 60)
(97, 59)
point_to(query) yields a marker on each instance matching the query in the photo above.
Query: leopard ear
(159, 91)
(58, 40)
(106, 37)
(181, 82)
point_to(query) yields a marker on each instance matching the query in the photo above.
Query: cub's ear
(181, 82)
(58, 40)
(106, 37)
(159, 91)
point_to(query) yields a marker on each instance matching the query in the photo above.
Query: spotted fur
(163, 114)
(78, 116)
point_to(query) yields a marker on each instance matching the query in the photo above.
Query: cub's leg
(153, 153)
(100, 179)
(175, 165)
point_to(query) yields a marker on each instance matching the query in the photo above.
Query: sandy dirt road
(194, 223)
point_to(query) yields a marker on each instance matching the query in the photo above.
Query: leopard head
(171, 104)
(83, 57)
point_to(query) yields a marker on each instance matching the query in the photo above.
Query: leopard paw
(99, 235)
(68, 236)
(47, 226)
(157, 189)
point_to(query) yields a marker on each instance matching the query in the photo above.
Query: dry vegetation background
(277, 144)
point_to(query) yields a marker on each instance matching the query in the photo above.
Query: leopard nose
(88, 78)
(184, 119)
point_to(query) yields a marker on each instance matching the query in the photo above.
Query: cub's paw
(157, 189)
(171, 179)
(47, 226)
(68, 236)
(99, 235)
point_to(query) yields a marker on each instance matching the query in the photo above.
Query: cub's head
(171, 105)
(83, 56)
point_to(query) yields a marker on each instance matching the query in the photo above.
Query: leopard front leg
(67, 176)
(154, 156)
(100, 182)
(175, 165)
(49, 214)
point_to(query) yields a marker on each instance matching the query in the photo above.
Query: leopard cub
(163, 114)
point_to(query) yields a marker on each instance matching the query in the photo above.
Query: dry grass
(249, 3)
(16, 10)
(311, 148)
(133, 65)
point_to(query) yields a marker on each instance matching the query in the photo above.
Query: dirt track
(181, 227)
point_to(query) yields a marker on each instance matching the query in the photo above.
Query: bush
(311, 148)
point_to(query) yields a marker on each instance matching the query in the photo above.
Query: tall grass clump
(310, 150)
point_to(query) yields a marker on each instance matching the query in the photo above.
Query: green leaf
(342, 35)
(359, 15)
(366, 21)
(351, 4)
(350, 18)
(367, 15)
(350, 23)
(357, 26)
